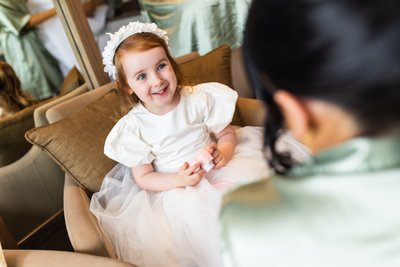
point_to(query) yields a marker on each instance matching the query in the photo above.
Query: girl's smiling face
(151, 77)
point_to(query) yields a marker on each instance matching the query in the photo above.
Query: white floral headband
(118, 37)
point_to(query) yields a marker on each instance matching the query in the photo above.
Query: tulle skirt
(178, 227)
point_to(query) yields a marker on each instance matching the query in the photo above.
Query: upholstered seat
(78, 127)
(11, 256)
(30, 181)
(12, 130)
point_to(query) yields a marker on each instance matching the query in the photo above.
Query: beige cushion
(214, 66)
(76, 142)
(188, 57)
(211, 67)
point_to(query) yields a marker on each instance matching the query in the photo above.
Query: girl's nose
(157, 80)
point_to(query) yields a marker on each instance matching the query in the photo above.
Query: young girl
(12, 98)
(159, 207)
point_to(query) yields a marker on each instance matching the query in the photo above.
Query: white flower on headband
(124, 32)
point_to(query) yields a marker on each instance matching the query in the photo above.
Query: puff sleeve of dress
(218, 104)
(124, 145)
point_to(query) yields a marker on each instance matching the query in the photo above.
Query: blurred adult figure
(194, 25)
(329, 71)
(23, 50)
(53, 35)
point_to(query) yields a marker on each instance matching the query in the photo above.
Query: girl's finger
(184, 166)
(211, 148)
(216, 153)
(193, 168)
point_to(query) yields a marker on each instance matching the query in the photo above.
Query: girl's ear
(128, 90)
(315, 122)
(295, 112)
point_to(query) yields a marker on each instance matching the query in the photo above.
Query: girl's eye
(161, 66)
(141, 76)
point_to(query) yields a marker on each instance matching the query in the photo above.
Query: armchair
(78, 112)
(31, 185)
(83, 230)
(11, 256)
(12, 129)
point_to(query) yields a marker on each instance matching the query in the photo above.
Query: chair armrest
(30, 192)
(6, 238)
(39, 114)
(70, 106)
(48, 258)
(252, 111)
(83, 231)
(2, 258)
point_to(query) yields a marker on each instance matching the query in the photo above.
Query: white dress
(178, 227)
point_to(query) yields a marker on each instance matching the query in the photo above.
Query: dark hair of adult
(346, 52)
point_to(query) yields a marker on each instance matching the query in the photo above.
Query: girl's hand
(189, 175)
(220, 160)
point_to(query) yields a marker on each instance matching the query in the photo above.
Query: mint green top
(340, 208)
(198, 25)
(37, 70)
